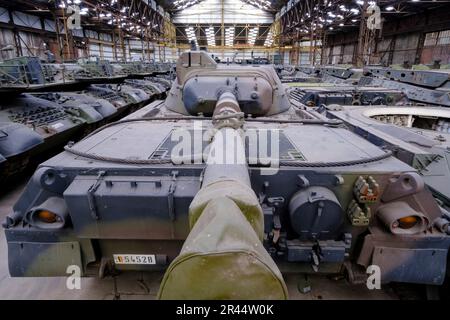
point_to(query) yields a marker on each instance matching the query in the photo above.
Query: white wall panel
(7, 38)
(49, 25)
(32, 45)
(26, 20)
(4, 15)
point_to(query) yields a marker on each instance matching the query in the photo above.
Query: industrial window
(437, 38)
(444, 37)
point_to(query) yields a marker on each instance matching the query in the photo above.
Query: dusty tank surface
(44, 106)
(417, 135)
(226, 186)
(91, 110)
(29, 124)
(154, 89)
(421, 86)
(316, 96)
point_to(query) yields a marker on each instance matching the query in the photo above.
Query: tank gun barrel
(226, 159)
(223, 256)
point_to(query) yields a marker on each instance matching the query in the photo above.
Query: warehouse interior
(295, 32)
(100, 198)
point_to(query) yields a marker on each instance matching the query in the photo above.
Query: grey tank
(319, 199)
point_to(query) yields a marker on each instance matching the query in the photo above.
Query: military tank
(111, 94)
(17, 143)
(136, 69)
(94, 68)
(25, 70)
(29, 73)
(324, 94)
(421, 86)
(154, 89)
(417, 135)
(340, 74)
(163, 83)
(163, 67)
(225, 186)
(93, 111)
(30, 125)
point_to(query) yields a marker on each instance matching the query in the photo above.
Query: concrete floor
(145, 286)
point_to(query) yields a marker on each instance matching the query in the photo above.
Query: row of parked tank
(44, 106)
(402, 110)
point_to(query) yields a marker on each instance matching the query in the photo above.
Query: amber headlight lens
(400, 218)
(407, 222)
(51, 214)
(47, 216)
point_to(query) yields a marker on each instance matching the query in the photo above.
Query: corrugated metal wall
(405, 48)
(4, 15)
(26, 20)
(7, 47)
(437, 47)
(32, 44)
(401, 40)
(87, 42)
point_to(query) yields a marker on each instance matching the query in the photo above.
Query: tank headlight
(407, 222)
(51, 214)
(400, 218)
(47, 216)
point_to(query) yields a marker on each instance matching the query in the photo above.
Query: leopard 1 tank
(93, 111)
(111, 94)
(30, 125)
(225, 186)
(417, 135)
(421, 86)
(324, 94)
(152, 88)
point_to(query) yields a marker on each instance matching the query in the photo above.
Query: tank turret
(201, 82)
